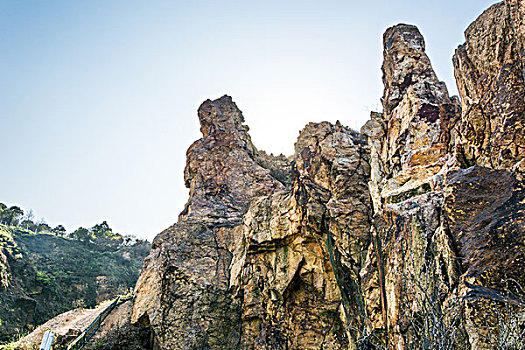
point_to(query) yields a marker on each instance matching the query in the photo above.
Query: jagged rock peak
(406, 34)
(411, 139)
(225, 167)
(405, 63)
(220, 115)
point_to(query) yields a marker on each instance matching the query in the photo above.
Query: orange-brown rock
(297, 270)
(390, 243)
(262, 257)
(449, 240)
(411, 143)
(183, 292)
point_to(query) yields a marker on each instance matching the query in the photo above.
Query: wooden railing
(88, 333)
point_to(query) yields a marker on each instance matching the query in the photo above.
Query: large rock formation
(183, 291)
(297, 269)
(483, 206)
(455, 236)
(411, 144)
(263, 256)
(408, 234)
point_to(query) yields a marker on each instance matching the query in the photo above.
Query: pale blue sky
(99, 98)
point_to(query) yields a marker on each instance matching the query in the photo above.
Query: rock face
(409, 233)
(490, 75)
(183, 291)
(297, 269)
(483, 206)
(411, 143)
(263, 256)
(454, 235)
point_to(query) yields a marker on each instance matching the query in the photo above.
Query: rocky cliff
(267, 253)
(407, 235)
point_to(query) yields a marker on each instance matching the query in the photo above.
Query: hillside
(43, 275)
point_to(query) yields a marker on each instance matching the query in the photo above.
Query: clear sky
(98, 98)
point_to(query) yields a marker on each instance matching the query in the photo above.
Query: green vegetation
(45, 271)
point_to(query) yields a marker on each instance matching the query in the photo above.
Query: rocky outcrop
(297, 269)
(411, 144)
(482, 205)
(407, 234)
(448, 227)
(263, 256)
(490, 73)
(183, 292)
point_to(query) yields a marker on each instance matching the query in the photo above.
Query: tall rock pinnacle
(183, 291)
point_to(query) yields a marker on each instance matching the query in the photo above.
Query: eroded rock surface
(357, 240)
(297, 268)
(449, 239)
(411, 143)
(263, 256)
(183, 292)
(490, 73)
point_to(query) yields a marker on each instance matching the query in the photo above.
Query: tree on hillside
(101, 230)
(60, 230)
(105, 237)
(30, 215)
(12, 215)
(42, 226)
(28, 225)
(27, 220)
(81, 234)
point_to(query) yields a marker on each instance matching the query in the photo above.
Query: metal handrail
(88, 333)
